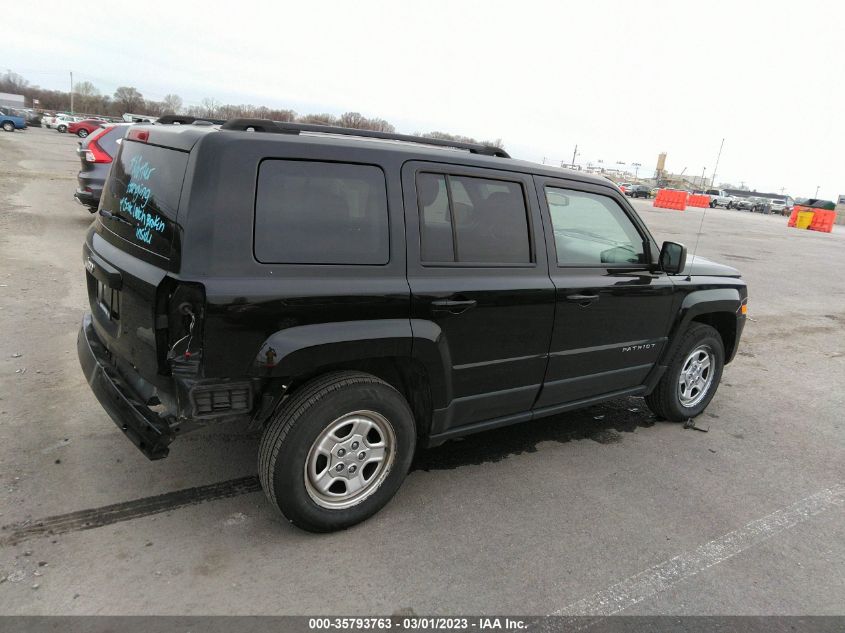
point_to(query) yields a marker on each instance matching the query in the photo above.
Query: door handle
(452, 306)
(582, 300)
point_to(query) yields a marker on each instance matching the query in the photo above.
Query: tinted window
(592, 230)
(142, 193)
(321, 213)
(473, 220)
(435, 219)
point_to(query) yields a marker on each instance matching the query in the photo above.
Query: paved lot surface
(597, 511)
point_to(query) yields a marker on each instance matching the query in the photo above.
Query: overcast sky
(624, 80)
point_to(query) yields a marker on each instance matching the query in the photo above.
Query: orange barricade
(699, 200)
(666, 199)
(823, 221)
(793, 216)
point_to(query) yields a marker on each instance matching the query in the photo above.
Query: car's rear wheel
(62, 129)
(693, 375)
(82, 133)
(8, 126)
(337, 451)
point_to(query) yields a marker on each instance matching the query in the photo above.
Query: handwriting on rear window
(136, 198)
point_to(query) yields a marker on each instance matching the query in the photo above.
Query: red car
(84, 128)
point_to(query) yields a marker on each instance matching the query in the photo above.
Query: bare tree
(461, 139)
(319, 119)
(128, 98)
(210, 107)
(13, 82)
(353, 119)
(88, 97)
(285, 116)
(380, 125)
(172, 103)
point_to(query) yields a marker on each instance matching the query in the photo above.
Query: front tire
(337, 451)
(62, 129)
(8, 126)
(82, 133)
(693, 375)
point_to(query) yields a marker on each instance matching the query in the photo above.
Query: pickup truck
(11, 122)
(720, 198)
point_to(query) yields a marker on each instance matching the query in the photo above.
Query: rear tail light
(94, 153)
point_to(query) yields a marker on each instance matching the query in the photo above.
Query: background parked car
(84, 128)
(96, 153)
(637, 191)
(10, 121)
(782, 205)
(743, 204)
(719, 198)
(761, 205)
(63, 121)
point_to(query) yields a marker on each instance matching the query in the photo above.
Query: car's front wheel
(693, 375)
(337, 451)
(62, 129)
(82, 133)
(8, 126)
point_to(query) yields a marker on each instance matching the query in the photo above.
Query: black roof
(184, 136)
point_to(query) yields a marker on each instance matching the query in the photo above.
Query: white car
(63, 120)
(719, 198)
(782, 205)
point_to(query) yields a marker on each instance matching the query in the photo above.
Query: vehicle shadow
(603, 423)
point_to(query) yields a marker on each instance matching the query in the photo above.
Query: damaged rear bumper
(143, 426)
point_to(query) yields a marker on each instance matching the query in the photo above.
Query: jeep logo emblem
(89, 265)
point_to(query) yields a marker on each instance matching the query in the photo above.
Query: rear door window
(141, 196)
(472, 220)
(309, 212)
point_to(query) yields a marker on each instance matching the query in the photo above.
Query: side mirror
(673, 257)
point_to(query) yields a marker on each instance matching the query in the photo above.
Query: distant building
(745, 193)
(9, 100)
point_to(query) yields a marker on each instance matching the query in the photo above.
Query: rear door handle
(452, 306)
(583, 300)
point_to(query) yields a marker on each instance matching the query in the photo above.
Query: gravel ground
(598, 511)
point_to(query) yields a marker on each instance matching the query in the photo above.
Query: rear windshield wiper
(112, 216)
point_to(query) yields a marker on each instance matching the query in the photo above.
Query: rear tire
(82, 133)
(332, 426)
(62, 129)
(8, 126)
(686, 389)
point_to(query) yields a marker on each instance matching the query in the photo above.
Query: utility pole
(703, 182)
(817, 191)
(71, 92)
(574, 154)
(636, 167)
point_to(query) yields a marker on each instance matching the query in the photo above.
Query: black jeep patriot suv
(358, 294)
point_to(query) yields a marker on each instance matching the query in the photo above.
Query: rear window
(309, 212)
(141, 196)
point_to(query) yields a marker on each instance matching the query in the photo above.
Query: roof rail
(184, 119)
(283, 127)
